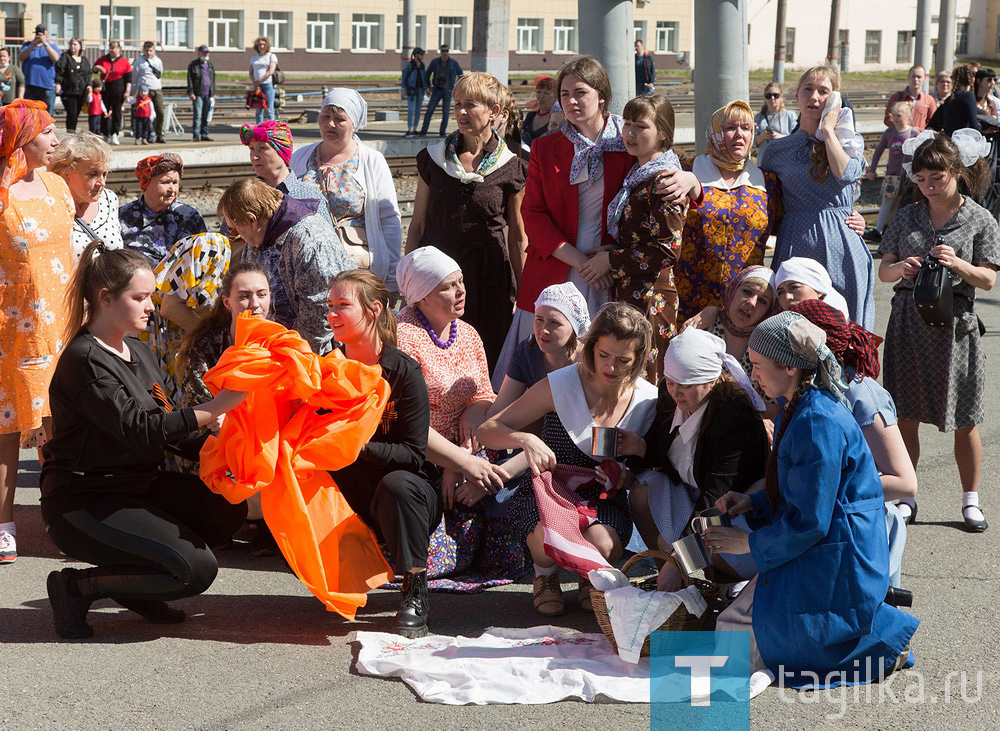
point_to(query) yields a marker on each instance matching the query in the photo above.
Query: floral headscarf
(716, 142)
(20, 122)
(150, 167)
(755, 272)
(275, 134)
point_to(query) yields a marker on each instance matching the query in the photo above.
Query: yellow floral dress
(36, 259)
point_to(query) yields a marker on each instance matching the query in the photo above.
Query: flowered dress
(192, 272)
(650, 238)
(36, 259)
(725, 232)
(456, 377)
(344, 195)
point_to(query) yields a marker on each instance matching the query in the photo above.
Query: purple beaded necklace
(430, 331)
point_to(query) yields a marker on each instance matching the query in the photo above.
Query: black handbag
(933, 295)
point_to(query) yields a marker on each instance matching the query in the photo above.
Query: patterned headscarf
(755, 271)
(716, 141)
(852, 344)
(275, 134)
(150, 167)
(20, 122)
(590, 155)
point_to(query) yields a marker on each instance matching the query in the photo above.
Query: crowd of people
(559, 276)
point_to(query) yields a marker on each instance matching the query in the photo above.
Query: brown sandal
(583, 588)
(547, 596)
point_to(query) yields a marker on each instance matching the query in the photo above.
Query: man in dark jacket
(442, 74)
(645, 70)
(201, 91)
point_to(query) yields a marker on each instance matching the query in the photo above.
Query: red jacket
(550, 210)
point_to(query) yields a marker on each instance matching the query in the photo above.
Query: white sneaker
(114, 139)
(8, 548)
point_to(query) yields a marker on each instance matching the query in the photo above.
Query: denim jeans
(41, 94)
(202, 106)
(414, 104)
(443, 96)
(264, 114)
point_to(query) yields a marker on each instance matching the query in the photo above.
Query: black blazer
(730, 454)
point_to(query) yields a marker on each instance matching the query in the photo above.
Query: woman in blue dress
(818, 171)
(816, 609)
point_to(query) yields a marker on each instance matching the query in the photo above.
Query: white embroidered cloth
(519, 666)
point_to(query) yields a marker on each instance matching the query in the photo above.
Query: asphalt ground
(258, 651)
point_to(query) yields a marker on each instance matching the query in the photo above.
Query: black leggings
(152, 545)
(73, 103)
(114, 97)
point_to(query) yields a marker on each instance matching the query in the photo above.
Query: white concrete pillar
(606, 32)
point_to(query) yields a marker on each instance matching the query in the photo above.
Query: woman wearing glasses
(774, 120)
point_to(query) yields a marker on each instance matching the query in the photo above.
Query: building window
(639, 33)
(666, 36)
(276, 26)
(844, 36)
(904, 46)
(873, 46)
(451, 32)
(529, 35)
(63, 20)
(420, 40)
(564, 38)
(366, 32)
(322, 32)
(962, 40)
(173, 27)
(790, 45)
(125, 27)
(225, 29)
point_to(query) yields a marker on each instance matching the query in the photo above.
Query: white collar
(709, 176)
(687, 428)
(438, 153)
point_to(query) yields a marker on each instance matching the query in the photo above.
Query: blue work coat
(822, 554)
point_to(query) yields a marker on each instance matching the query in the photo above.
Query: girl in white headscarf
(707, 439)
(356, 183)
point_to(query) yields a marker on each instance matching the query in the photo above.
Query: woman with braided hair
(816, 607)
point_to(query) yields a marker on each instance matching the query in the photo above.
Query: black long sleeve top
(956, 112)
(110, 420)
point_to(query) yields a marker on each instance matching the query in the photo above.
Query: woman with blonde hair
(468, 205)
(773, 121)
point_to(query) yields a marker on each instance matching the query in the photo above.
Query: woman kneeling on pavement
(816, 608)
(105, 499)
(392, 486)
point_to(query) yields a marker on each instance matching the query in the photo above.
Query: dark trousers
(443, 96)
(404, 509)
(152, 545)
(41, 94)
(95, 123)
(72, 103)
(202, 108)
(157, 97)
(114, 97)
(141, 128)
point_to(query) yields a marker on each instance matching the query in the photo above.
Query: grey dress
(937, 375)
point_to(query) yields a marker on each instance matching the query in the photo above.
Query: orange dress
(36, 258)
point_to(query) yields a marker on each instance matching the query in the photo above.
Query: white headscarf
(353, 104)
(566, 298)
(812, 274)
(421, 271)
(696, 356)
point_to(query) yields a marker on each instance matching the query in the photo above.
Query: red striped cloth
(565, 515)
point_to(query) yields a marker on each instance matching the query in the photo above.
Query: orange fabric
(20, 123)
(277, 444)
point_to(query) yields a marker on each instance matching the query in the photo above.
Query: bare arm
(53, 53)
(23, 54)
(510, 391)
(502, 431)
(453, 458)
(517, 241)
(174, 309)
(981, 277)
(899, 479)
(419, 218)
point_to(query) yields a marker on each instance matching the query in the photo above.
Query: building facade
(350, 36)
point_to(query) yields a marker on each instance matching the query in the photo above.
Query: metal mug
(691, 553)
(708, 518)
(604, 442)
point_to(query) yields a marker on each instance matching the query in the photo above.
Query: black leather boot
(411, 619)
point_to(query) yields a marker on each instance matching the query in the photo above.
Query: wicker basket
(680, 621)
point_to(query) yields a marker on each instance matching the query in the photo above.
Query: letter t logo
(701, 675)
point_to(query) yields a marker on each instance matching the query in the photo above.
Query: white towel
(634, 612)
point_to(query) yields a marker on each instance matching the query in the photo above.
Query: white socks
(546, 571)
(10, 528)
(971, 500)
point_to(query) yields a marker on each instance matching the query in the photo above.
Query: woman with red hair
(36, 220)
(536, 122)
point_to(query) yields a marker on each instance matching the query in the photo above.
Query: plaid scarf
(854, 346)
(591, 154)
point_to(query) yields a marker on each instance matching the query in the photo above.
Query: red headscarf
(20, 123)
(149, 167)
(854, 346)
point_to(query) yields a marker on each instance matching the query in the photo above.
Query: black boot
(154, 610)
(69, 609)
(411, 619)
